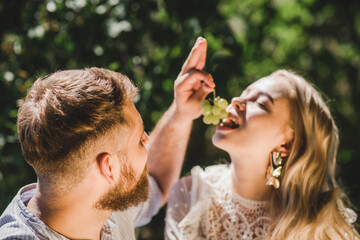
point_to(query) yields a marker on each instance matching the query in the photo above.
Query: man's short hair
(65, 111)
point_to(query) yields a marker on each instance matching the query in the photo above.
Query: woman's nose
(229, 108)
(238, 104)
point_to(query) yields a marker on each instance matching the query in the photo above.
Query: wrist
(178, 117)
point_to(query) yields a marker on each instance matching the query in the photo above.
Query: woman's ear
(285, 150)
(105, 163)
(285, 147)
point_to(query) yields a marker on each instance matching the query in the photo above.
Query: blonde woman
(282, 141)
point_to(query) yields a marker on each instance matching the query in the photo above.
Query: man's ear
(105, 162)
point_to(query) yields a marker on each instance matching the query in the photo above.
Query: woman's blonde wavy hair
(309, 203)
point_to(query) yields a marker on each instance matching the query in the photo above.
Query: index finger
(197, 56)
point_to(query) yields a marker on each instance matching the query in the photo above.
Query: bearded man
(82, 134)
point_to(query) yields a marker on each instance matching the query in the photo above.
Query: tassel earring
(274, 170)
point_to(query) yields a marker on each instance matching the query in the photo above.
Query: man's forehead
(133, 116)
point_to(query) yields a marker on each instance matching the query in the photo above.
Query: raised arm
(168, 140)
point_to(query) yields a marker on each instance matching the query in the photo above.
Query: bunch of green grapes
(214, 110)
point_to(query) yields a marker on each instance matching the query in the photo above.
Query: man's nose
(145, 138)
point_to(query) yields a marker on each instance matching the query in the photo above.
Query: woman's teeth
(229, 122)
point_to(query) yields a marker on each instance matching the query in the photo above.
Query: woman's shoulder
(210, 171)
(199, 176)
(209, 180)
(190, 198)
(210, 174)
(202, 182)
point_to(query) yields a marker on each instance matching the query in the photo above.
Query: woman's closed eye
(262, 105)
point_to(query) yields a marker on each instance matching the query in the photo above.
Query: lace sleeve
(177, 208)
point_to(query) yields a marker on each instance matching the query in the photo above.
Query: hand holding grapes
(193, 85)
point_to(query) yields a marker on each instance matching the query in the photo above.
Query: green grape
(213, 110)
(207, 109)
(205, 103)
(223, 114)
(222, 103)
(207, 119)
(216, 110)
(215, 120)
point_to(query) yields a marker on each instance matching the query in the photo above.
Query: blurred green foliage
(148, 40)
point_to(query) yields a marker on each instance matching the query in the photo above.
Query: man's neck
(73, 216)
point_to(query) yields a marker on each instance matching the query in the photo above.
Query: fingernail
(199, 40)
(210, 88)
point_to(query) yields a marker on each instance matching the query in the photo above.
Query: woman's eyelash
(261, 105)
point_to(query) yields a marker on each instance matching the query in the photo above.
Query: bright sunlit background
(148, 40)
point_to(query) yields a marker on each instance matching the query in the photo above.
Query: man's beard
(119, 197)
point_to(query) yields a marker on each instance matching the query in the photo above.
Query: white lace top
(204, 206)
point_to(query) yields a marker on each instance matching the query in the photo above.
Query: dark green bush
(148, 40)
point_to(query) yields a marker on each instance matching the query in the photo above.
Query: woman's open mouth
(228, 123)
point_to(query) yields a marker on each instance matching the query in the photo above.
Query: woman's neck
(248, 177)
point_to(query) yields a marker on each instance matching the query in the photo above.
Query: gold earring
(274, 170)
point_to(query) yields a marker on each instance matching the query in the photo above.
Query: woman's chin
(226, 142)
(219, 141)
